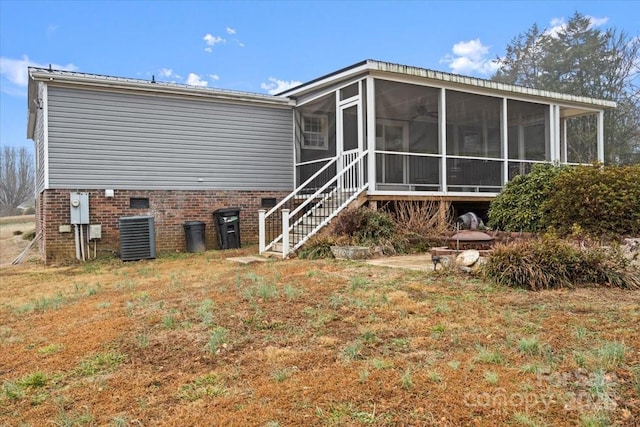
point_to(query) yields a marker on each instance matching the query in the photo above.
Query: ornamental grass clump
(549, 263)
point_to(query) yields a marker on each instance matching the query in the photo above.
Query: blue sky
(263, 46)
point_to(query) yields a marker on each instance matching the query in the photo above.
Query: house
(371, 132)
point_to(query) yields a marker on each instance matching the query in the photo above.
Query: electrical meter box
(95, 231)
(79, 205)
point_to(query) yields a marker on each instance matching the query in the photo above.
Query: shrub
(600, 201)
(422, 222)
(603, 201)
(552, 263)
(368, 227)
(318, 246)
(364, 226)
(520, 206)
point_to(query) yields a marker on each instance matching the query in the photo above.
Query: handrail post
(361, 170)
(261, 230)
(285, 232)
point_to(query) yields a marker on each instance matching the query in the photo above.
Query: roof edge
(372, 65)
(100, 80)
(326, 76)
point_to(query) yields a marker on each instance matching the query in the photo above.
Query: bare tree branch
(17, 179)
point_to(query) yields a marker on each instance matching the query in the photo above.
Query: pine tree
(583, 60)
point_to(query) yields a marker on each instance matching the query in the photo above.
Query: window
(138, 203)
(314, 130)
(268, 202)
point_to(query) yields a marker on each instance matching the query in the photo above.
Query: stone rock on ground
(631, 250)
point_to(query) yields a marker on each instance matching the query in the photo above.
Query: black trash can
(228, 224)
(194, 232)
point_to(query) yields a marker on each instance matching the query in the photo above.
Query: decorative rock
(467, 258)
(631, 250)
(350, 252)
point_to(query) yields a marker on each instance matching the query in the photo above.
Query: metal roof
(374, 66)
(45, 74)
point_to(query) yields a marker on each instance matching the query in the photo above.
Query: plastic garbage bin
(194, 232)
(228, 224)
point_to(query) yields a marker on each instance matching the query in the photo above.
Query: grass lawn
(195, 339)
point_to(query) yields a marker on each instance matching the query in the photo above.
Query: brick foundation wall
(170, 209)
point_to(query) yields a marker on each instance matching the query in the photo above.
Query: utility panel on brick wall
(79, 205)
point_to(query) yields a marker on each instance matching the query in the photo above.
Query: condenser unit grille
(137, 238)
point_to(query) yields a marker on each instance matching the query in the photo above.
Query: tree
(17, 179)
(582, 60)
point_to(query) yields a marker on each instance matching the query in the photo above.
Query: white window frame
(324, 132)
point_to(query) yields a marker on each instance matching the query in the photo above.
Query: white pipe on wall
(82, 243)
(76, 235)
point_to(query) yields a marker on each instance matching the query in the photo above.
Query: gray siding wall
(38, 139)
(100, 139)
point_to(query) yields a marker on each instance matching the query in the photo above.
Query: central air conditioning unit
(137, 238)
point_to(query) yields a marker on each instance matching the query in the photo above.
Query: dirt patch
(194, 338)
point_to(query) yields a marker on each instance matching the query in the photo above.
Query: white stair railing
(311, 206)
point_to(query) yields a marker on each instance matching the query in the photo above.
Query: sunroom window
(314, 130)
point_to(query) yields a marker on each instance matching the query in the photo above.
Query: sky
(265, 46)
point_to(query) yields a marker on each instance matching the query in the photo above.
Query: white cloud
(230, 30)
(597, 22)
(470, 57)
(559, 24)
(211, 41)
(276, 85)
(473, 49)
(168, 73)
(15, 70)
(214, 77)
(194, 79)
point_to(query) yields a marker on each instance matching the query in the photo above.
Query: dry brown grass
(423, 218)
(309, 343)
(10, 244)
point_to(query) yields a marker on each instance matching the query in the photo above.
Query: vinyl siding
(100, 139)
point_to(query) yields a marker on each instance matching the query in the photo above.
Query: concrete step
(272, 254)
(277, 247)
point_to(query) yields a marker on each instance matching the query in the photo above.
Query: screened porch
(438, 140)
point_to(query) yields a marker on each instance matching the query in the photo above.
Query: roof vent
(137, 238)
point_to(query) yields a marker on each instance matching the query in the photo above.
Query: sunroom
(380, 131)
(439, 134)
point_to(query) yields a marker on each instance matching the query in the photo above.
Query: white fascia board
(502, 88)
(528, 95)
(326, 81)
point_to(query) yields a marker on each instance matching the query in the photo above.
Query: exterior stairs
(318, 220)
(287, 226)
